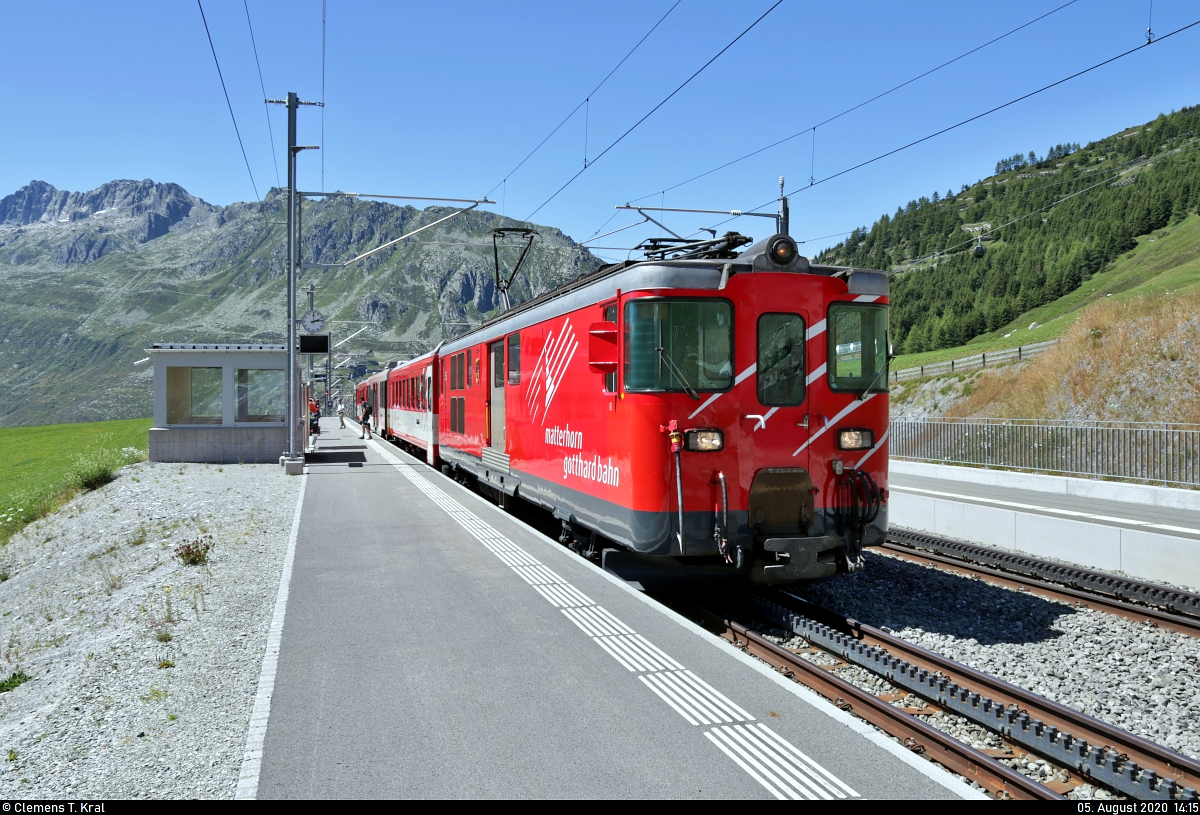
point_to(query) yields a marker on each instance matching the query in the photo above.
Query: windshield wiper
(678, 374)
(878, 373)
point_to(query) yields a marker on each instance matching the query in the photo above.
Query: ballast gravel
(1134, 675)
(143, 669)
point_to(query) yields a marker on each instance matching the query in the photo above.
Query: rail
(1154, 452)
(970, 363)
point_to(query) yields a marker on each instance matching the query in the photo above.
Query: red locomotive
(705, 404)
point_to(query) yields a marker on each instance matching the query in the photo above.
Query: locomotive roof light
(783, 251)
(778, 253)
(703, 441)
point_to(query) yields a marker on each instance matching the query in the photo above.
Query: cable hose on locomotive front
(858, 504)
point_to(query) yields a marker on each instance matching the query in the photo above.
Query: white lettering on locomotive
(592, 469)
(564, 437)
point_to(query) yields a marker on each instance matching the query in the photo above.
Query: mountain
(90, 279)
(1048, 225)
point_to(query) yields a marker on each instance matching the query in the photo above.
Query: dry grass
(1135, 359)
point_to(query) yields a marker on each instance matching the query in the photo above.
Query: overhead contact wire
(227, 102)
(261, 84)
(655, 108)
(874, 98)
(585, 101)
(972, 118)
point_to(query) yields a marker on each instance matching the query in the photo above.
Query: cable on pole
(266, 110)
(227, 102)
(636, 124)
(589, 96)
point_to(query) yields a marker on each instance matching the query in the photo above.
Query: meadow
(43, 467)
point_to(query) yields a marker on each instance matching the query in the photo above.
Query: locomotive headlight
(856, 439)
(704, 441)
(783, 251)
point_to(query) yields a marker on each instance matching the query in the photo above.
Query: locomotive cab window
(514, 359)
(858, 347)
(781, 367)
(678, 345)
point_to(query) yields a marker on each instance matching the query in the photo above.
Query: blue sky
(446, 98)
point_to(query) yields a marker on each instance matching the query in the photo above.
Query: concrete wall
(218, 445)
(1148, 555)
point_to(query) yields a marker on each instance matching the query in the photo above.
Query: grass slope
(43, 467)
(1164, 262)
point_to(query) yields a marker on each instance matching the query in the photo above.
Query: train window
(498, 365)
(514, 359)
(858, 347)
(468, 367)
(610, 380)
(781, 367)
(678, 345)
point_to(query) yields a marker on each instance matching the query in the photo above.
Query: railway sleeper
(1101, 765)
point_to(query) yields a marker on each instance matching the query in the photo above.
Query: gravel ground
(1133, 675)
(143, 669)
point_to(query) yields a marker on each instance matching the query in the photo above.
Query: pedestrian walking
(341, 412)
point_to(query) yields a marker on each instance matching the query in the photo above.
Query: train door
(496, 431)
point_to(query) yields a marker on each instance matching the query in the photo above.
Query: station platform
(435, 647)
(1146, 531)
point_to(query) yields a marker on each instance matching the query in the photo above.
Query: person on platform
(341, 412)
(366, 421)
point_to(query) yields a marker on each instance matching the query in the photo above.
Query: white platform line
(692, 698)
(705, 689)
(260, 714)
(681, 702)
(785, 745)
(739, 737)
(662, 695)
(712, 711)
(605, 643)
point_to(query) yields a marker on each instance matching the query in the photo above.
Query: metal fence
(972, 362)
(1156, 452)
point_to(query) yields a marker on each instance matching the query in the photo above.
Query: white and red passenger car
(752, 386)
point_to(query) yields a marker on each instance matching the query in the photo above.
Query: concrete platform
(435, 647)
(1145, 531)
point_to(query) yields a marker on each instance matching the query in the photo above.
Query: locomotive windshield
(678, 345)
(858, 347)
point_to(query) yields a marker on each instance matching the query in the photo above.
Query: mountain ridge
(94, 277)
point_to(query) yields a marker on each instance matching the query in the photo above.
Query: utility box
(219, 403)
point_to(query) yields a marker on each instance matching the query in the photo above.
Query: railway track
(997, 778)
(1091, 750)
(1166, 607)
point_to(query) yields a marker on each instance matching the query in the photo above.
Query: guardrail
(975, 361)
(1156, 452)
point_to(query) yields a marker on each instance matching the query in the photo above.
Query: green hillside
(1061, 230)
(1167, 260)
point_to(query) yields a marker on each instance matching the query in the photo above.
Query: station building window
(261, 394)
(194, 395)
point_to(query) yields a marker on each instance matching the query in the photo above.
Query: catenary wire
(585, 100)
(227, 102)
(261, 84)
(635, 125)
(968, 120)
(860, 104)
